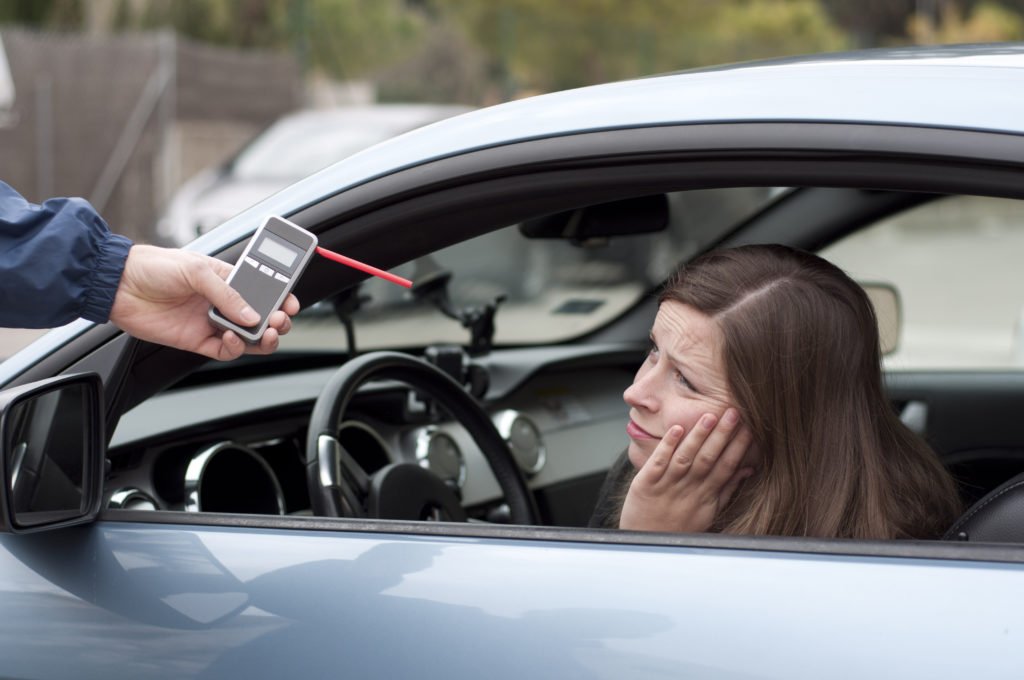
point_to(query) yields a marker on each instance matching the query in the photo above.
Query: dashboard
(238, 446)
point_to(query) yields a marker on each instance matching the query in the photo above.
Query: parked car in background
(397, 493)
(294, 147)
(7, 92)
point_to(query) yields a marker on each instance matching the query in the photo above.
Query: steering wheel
(339, 487)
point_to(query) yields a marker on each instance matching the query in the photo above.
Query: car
(405, 488)
(7, 93)
(293, 147)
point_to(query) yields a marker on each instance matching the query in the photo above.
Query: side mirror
(51, 453)
(888, 311)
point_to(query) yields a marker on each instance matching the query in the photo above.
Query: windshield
(553, 290)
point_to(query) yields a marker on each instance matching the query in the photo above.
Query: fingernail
(731, 416)
(707, 421)
(249, 315)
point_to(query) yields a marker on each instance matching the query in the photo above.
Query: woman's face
(682, 378)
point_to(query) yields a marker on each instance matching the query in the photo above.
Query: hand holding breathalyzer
(265, 274)
(164, 295)
(269, 268)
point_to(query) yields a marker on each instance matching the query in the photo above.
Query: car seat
(998, 517)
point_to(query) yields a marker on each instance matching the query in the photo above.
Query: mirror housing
(889, 312)
(51, 453)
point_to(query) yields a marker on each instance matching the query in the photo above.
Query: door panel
(131, 600)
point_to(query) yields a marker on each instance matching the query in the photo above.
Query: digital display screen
(277, 251)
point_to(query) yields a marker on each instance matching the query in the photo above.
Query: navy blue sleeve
(58, 261)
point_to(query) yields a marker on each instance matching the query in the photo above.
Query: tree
(51, 14)
(872, 22)
(985, 22)
(538, 45)
(341, 38)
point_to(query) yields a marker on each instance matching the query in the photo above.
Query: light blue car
(404, 489)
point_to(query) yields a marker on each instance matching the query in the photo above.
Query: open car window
(956, 263)
(553, 290)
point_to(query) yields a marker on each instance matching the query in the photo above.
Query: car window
(956, 263)
(553, 290)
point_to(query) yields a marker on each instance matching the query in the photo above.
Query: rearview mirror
(627, 217)
(886, 301)
(51, 452)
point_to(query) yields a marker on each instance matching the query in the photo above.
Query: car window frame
(578, 168)
(802, 545)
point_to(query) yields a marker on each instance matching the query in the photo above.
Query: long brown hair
(803, 364)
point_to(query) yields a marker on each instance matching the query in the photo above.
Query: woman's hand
(687, 481)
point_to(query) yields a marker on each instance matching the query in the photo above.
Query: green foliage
(770, 28)
(343, 38)
(50, 14)
(542, 45)
(350, 38)
(484, 50)
(240, 23)
(985, 22)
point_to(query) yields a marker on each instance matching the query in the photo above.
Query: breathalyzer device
(269, 268)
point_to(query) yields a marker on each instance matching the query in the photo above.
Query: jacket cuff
(105, 278)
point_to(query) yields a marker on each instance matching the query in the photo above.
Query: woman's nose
(640, 394)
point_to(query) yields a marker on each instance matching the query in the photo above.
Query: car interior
(491, 392)
(543, 322)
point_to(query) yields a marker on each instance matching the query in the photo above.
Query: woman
(760, 410)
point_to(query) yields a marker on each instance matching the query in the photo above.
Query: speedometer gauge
(523, 438)
(439, 453)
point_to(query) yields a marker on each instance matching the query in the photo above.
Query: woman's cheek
(638, 455)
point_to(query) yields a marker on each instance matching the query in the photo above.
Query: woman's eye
(683, 381)
(652, 351)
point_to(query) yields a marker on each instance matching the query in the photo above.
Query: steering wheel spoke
(341, 477)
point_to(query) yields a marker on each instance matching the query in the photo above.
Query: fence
(123, 120)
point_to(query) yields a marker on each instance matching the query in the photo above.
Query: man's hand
(687, 481)
(165, 294)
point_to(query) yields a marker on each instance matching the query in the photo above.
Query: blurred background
(172, 115)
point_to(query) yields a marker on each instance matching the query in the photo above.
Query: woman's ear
(754, 457)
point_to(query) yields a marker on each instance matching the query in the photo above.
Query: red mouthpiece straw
(356, 264)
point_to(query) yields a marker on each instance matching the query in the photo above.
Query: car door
(265, 599)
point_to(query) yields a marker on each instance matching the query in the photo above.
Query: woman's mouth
(636, 432)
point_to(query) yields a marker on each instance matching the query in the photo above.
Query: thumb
(225, 298)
